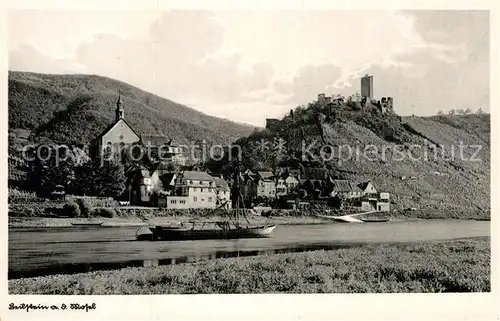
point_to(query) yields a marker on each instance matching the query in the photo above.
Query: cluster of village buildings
(161, 186)
(196, 189)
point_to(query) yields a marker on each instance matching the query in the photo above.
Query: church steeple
(119, 109)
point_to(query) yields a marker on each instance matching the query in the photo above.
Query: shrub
(51, 211)
(104, 212)
(30, 212)
(85, 207)
(71, 209)
(95, 201)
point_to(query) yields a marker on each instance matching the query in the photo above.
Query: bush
(95, 201)
(71, 209)
(85, 207)
(30, 212)
(104, 212)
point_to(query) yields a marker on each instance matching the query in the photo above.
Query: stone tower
(367, 87)
(120, 113)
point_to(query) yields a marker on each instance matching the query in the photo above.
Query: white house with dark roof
(367, 188)
(267, 185)
(193, 190)
(222, 192)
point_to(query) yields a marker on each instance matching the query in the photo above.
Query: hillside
(70, 109)
(434, 183)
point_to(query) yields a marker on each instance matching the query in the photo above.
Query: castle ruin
(384, 105)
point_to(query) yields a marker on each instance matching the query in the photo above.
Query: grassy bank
(454, 266)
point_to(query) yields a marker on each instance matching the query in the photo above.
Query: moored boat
(179, 233)
(87, 224)
(375, 220)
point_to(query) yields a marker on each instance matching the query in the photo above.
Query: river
(42, 251)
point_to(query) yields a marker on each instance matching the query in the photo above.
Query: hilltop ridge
(74, 109)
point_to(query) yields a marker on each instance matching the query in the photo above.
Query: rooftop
(364, 185)
(199, 176)
(342, 185)
(266, 175)
(221, 184)
(156, 140)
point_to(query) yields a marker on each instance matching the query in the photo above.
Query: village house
(247, 189)
(281, 189)
(139, 186)
(344, 189)
(266, 186)
(162, 149)
(164, 185)
(291, 182)
(145, 185)
(162, 177)
(367, 188)
(286, 183)
(223, 193)
(193, 190)
(372, 200)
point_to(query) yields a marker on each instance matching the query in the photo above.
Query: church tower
(120, 114)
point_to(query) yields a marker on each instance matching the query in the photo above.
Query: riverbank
(35, 222)
(451, 266)
(42, 215)
(40, 221)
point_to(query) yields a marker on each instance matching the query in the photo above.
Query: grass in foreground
(455, 266)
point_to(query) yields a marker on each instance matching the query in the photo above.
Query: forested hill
(416, 159)
(74, 109)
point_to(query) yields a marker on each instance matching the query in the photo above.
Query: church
(120, 135)
(117, 135)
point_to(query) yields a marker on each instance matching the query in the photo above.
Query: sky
(247, 66)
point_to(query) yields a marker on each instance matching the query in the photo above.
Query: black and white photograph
(243, 151)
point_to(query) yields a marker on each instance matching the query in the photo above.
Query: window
(191, 182)
(202, 190)
(203, 200)
(210, 199)
(195, 199)
(173, 201)
(182, 201)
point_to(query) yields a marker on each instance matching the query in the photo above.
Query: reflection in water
(87, 267)
(35, 252)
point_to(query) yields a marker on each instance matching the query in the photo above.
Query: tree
(308, 187)
(48, 167)
(85, 176)
(460, 112)
(440, 113)
(479, 111)
(110, 181)
(451, 112)
(92, 179)
(467, 111)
